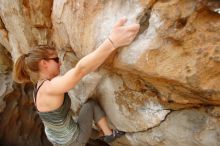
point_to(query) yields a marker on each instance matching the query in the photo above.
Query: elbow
(81, 70)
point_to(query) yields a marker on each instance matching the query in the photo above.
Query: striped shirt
(60, 128)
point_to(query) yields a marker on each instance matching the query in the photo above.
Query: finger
(136, 32)
(121, 22)
(133, 27)
(133, 35)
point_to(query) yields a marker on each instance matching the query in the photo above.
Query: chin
(56, 74)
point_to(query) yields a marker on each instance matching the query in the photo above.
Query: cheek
(55, 69)
(58, 68)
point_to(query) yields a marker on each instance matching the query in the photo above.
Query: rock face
(163, 89)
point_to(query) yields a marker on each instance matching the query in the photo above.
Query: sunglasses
(56, 59)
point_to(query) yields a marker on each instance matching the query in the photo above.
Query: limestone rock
(5, 76)
(191, 127)
(129, 110)
(163, 89)
(26, 23)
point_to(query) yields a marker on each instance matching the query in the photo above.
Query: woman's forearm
(93, 60)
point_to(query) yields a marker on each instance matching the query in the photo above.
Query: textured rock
(178, 46)
(192, 127)
(27, 23)
(19, 122)
(5, 76)
(129, 110)
(163, 89)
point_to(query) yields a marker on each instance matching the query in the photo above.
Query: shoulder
(45, 87)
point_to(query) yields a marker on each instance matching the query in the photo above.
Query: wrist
(106, 44)
(112, 42)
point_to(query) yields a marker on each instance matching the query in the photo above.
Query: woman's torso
(60, 128)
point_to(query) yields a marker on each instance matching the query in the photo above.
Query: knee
(91, 103)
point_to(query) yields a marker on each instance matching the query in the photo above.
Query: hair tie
(111, 42)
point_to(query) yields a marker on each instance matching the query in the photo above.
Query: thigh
(85, 121)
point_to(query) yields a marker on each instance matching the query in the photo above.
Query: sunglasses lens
(56, 59)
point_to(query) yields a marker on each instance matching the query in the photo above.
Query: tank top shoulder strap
(35, 91)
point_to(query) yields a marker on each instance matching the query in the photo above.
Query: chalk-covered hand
(123, 35)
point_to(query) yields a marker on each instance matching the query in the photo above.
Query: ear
(43, 63)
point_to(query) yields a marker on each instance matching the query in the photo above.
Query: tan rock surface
(163, 89)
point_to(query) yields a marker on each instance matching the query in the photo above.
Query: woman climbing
(41, 66)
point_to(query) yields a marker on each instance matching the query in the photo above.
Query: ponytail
(20, 70)
(26, 68)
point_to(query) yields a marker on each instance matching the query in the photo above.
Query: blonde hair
(26, 67)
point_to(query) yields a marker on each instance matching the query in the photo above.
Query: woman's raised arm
(121, 35)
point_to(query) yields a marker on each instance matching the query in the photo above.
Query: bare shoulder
(49, 86)
(46, 100)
